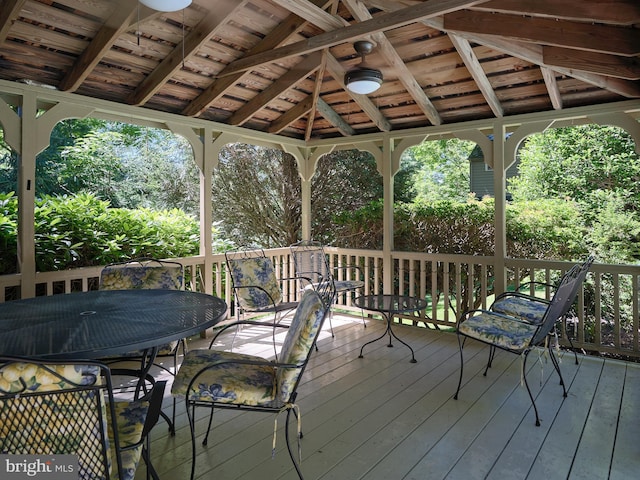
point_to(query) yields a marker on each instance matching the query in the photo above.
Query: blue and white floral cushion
(499, 330)
(249, 384)
(62, 421)
(526, 309)
(255, 272)
(143, 277)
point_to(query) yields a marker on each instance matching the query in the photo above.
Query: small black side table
(388, 306)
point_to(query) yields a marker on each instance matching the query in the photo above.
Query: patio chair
(146, 274)
(68, 407)
(530, 308)
(514, 335)
(219, 379)
(257, 292)
(312, 266)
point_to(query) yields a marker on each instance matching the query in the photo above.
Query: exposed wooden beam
(621, 12)
(336, 120)
(533, 53)
(549, 77)
(337, 71)
(602, 63)
(116, 25)
(312, 13)
(8, 14)
(201, 34)
(291, 115)
(293, 76)
(582, 36)
(380, 23)
(317, 87)
(475, 69)
(361, 13)
(281, 34)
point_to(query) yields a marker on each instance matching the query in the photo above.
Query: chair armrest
(359, 271)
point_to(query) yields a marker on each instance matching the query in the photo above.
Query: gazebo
(314, 76)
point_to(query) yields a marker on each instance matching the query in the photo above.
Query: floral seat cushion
(130, 418)
(531, 311)
(500, 330)
(143, 277)
(226, 383)
(251, 273)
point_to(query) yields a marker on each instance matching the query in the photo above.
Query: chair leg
(206, 437)
(461, 345)
(191, 413)
(556, 365)
(291, 454)
(526, 384)
(492, 354)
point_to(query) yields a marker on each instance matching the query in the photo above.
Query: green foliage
(440, 169)
(81, 230)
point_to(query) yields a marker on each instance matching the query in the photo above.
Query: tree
(596, 167)
(442, 170)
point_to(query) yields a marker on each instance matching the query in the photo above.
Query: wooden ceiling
(278, 65)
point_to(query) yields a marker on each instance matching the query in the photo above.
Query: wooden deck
(382, 417)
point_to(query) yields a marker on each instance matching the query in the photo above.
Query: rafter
(116, 25)
(302, 70)
(336, 120)
(380, 23)
(545, 31)
(602, 11)
(281, 34)
(8, 13)
(549, 77)
(601, 63)
(470, 60)
(361, 14)
(189, 46)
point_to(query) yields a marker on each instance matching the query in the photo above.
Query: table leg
(389, 331)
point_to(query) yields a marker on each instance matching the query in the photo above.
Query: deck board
(382, 417)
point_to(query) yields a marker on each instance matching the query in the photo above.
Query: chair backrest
(301, 338)
(59, 408)
(142, 273)
(310, 261)
(562, 300)
(254, 281)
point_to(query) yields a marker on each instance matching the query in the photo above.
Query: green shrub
(81, 230)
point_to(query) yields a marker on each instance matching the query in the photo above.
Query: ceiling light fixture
(363, 79)
(166, 5)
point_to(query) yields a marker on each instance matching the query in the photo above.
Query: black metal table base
(389, 331)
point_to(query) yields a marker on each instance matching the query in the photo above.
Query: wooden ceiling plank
(601, 63)
(361, 13)
(8, 15)
(189, 46)
(312, 13)
(292, 115)
(285, 31)
(582, 36)
(533, 53)
(552, 87)
(618, 12)
(293, 76)
(380, 23)
(334, 119)
(114, 27)
(475, 69)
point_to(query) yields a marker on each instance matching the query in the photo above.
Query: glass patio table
(388, 306)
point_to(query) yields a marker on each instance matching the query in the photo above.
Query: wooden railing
(605, 318)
